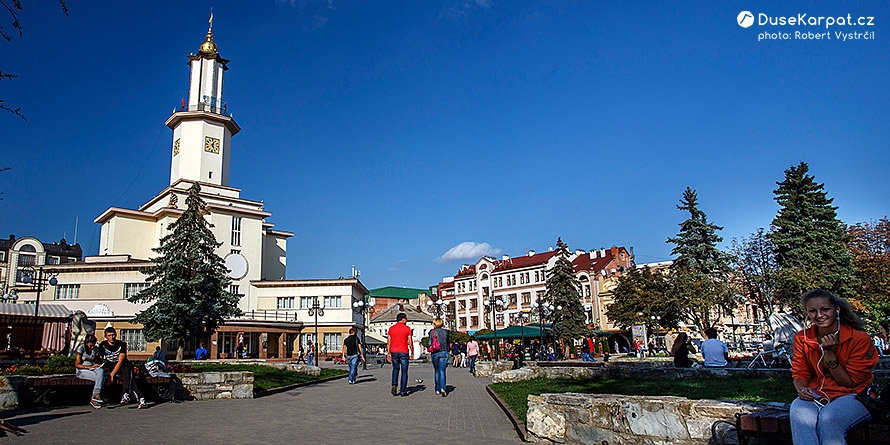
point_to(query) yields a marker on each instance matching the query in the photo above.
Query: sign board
(639, 333)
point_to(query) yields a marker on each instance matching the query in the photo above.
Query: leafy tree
(810, 240)
(14, 8)
(755, 269)
(870, 246)
(640, 291)
(188, 283)
(699, 273)
(563, 290)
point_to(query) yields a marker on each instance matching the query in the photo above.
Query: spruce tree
(810, 240)
(699, 273)
(188, 282)
(563, 290)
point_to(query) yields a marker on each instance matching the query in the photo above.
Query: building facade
(522, 281)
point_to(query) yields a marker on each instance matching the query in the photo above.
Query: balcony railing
(272, 315)
(206, 107)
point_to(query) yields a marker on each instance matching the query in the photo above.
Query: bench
(774, 427)
(44, 386)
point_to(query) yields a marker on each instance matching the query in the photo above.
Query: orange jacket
(856, 353)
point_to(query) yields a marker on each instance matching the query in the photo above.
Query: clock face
(176, 148)
(211, 145)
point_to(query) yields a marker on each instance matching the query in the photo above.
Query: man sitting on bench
(114, 352)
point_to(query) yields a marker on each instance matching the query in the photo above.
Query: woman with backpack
(439, 354)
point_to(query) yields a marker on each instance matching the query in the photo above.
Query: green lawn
(752, 390)
(268, 377)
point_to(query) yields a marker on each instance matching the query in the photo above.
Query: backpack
(434, 342)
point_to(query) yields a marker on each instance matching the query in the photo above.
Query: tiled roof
(466, 271)
(389, 315)
(523, 261)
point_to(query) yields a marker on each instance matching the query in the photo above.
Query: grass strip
(515, 394)
(267, 377)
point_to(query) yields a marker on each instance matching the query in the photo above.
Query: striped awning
(11, 313)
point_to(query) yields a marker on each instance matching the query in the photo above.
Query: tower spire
(210, 27)
(209, 46)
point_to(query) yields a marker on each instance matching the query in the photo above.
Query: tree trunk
(179, 353)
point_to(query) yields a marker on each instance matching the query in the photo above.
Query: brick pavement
(330, 412)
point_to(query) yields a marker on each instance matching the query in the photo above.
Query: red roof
(444, 285)
(466, 271)
(595, 264)
(523, 261)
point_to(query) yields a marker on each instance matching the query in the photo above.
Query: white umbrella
(784, 326)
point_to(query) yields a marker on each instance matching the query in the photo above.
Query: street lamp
(10, 296)
(493, 305)
(316, 310)
(39, 279)
(438, 304)
(544, 310)
(363, 307)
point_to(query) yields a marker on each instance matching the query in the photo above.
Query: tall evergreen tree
(563, 289)
(699, 273)
(810, 240)
(188, 283)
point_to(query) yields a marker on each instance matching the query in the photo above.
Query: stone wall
(290, 366)
(489, 368)
(590, 418)
(9, 391)
(218, 385)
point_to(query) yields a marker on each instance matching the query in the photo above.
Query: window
(473, 303)
(500, 281)
(463, 304)
(52, 260)
(521, 278)
(539, 295)
(512, 299)
(332, 302)
(134, 338)
(305, 338)
(234, 289)
(236, 230)
(3, 255)
(536, 277)
(474, 321)
(131, 289)
(286, 302)
(500, 319)
(587, 290)
(527, 277)
(463, 322)
(333, 342)
(526, 298)
(27, 248)
(306, 302)
(27, 259)
(67, 291)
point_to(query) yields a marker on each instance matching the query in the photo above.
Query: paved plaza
(330, 412)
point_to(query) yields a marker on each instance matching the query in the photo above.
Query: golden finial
(209, 46)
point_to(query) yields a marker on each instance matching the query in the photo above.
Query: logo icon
(745, 19)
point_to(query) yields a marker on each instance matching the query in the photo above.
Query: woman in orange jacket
(833, 361)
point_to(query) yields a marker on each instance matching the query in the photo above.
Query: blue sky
(385, 134)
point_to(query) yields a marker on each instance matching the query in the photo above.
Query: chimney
(593, 254)
(531, 253)
(614, 251)
(550, 249)
(505, 257)
(579, 252)
(603, 252)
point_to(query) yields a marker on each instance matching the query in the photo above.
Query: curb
(269, 392)
(518, 424)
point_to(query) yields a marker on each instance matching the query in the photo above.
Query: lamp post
(10, 296)
(493, 305)
(39, 278)
(316, 310)
(363, 307)
(438, 305)
(544, 310)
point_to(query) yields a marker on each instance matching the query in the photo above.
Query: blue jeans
(825, 426)
(440, 362)
(473, 363)
(352, 361)
(400, 361)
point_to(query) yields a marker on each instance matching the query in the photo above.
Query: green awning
(527, 331)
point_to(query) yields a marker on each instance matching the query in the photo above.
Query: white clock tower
(202, 128)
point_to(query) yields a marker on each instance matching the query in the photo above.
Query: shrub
(59, 364)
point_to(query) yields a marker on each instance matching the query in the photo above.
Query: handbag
(875, 400)
(434, 342)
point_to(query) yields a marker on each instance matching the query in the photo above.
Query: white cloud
(468, 250)
(392, 269)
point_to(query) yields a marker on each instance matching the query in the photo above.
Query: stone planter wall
(9, 391)
(589, 418)
(290, 366)
(218, 385)
(489, 368)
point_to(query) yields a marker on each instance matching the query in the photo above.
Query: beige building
(275, 319)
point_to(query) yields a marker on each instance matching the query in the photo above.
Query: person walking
(352, 348)
(399, 346)
(439, 355)
(463, 355)
(473, 353)
(310, 353)
(455, 354)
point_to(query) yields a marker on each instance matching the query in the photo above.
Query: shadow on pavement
(22, 419)
(416, 388)
(365, 379)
